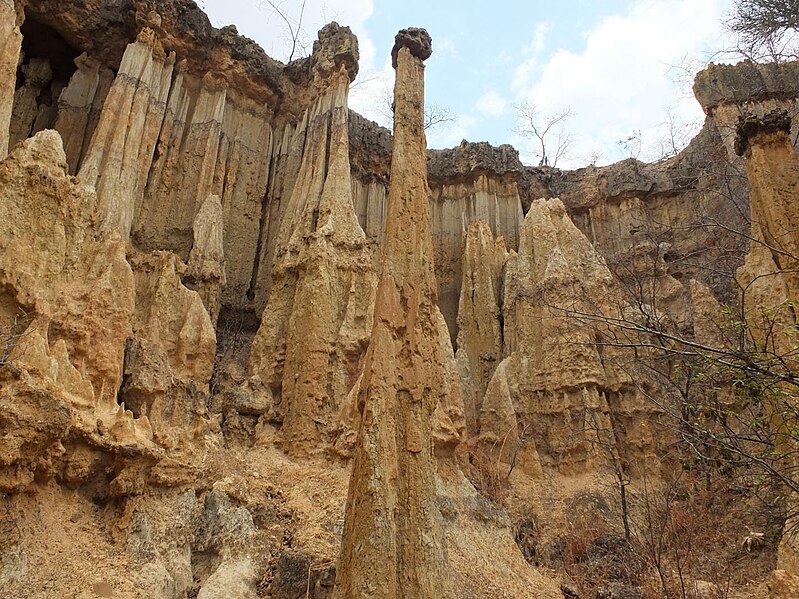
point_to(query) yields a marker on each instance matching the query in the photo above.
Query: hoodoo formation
(253, 345)
(393, 544)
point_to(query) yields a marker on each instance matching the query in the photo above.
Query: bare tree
(674, 135)
(11, 333)
(435, 115)
(294, 25)
(595, 155)
(632, 144)
(766, 29)
(606, 440)
(552, 140)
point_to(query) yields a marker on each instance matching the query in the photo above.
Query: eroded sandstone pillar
(315, 328)
(480, 316)
(118, 160)
(10, 45)
(38, 75)
(206, 267)
(772, 168)
(80, 105)
(769, 278)
(393, 545)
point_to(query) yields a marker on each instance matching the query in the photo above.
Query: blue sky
(611, 63)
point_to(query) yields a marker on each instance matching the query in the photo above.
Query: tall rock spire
(10, 44)
(770, 285)
(393, 544)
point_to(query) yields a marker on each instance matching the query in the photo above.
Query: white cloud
(257, 20)
(446, 47)
(532, 54)
(491, 104)
(619, 84)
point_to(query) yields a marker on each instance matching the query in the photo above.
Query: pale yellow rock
(82, 285)
(38, 74)
(712, 323)
(449, 420)
(10, 45)
(92, 313)
(206, 266)
(183, 175)
(772, 168)
(393, 544)
(453, 208)
(213, 142)
(555, 388)
(783, 585)
(769, 278)
(173, 318)
(118, 159)
(79, 107)
(315, 327)
(55, 225)
(479, 316)
(45, 400)
(235, 578)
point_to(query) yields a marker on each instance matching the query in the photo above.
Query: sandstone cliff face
(480, 330)
(92, 323)
(77, 293)
(473, 182)
(560, 394)
(393, 545)
(191, 112)
(215, 185)
(206, 266)
(37, 74)
(316, 324)
(80, 106)
(118, 159)
(84, 286)
(723, 90)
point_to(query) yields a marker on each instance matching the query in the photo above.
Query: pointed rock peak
(393, 544)
(337, 218)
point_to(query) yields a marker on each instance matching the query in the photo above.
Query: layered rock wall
(561, 393)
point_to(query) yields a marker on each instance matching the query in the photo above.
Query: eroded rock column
(206, 272)
(38, 75)
(393, 545)
(769, 279)
(118, 160)
(480, 316)
(315, 328)
(80, 106)
(10, 45)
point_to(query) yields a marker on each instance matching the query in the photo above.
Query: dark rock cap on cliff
(416, 39)
(750, 125)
